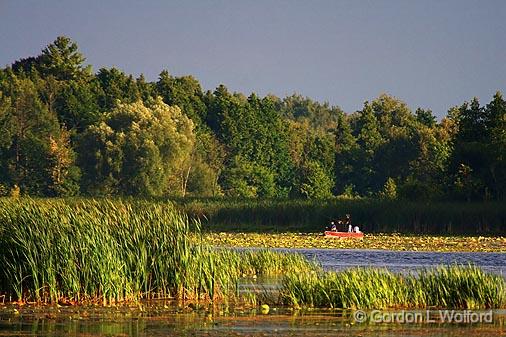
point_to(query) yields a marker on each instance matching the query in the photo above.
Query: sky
(432, 54)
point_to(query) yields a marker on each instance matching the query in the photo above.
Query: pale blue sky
(433, 54)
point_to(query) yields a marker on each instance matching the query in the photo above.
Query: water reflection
(162, 319)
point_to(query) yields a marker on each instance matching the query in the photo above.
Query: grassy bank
(373, 215)
(429, 243)
(107, 251)
(444, 287)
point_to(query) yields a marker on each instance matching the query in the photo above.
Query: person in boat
(356, 229)
(347, 222)
(333, 226)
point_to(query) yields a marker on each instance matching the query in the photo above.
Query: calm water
(155, 319)
(337, 259)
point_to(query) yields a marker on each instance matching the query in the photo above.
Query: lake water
(168, 319)
(396, 261)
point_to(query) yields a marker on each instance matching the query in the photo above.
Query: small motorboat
(336, 234)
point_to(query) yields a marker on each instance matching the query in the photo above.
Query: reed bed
(373, 215)
(456, 287)
(55, 250)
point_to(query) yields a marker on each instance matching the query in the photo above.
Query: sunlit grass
(462, 287)
(107, 251)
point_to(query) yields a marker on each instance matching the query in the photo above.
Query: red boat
(344, 234)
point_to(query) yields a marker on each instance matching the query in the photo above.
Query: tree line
(66, 131)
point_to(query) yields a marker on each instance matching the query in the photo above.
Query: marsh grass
(116, 250)
(458, 287)
(373, 215)
(106, 251)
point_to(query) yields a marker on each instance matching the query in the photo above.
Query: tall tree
(207, 165)
(138, 150)
(425, 117)
(253, 131)
(495, 122)
(347, 151)
(64, 175)
(30, 127)
(316, 183)
(369, 139)
(320, 116)
(7, 132)
(146, 89)
(470, 160)
(184, 92)
(116, 87)
(63, 60)
(76, 104)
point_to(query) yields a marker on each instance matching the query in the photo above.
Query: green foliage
(256, 134)
(184, 92)
(389, 190)
(138, 150)
(115, 87)
(369, 136)
(349, 192)
(425, 117)
(246, 179)
(76, 104)
(63, 60)
(4, 190)
(6, 121)
(453, 287)
(479, 147)
(243, 146)
(372, 215)
(496, 143)
(347, 156)
(321, 117)
(26, 146)
(207, 163)
(369, 140)
(107, 251)
(315, 184)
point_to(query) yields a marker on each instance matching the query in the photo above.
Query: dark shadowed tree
(425, 117)
(116, 87)
(184, 92)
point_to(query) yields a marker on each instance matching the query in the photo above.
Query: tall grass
(104, 250)
(458, 287)
(373, 215)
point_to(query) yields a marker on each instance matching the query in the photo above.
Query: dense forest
(65, 130)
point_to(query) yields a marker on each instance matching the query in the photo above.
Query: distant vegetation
(65, 130)
(372, 215)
